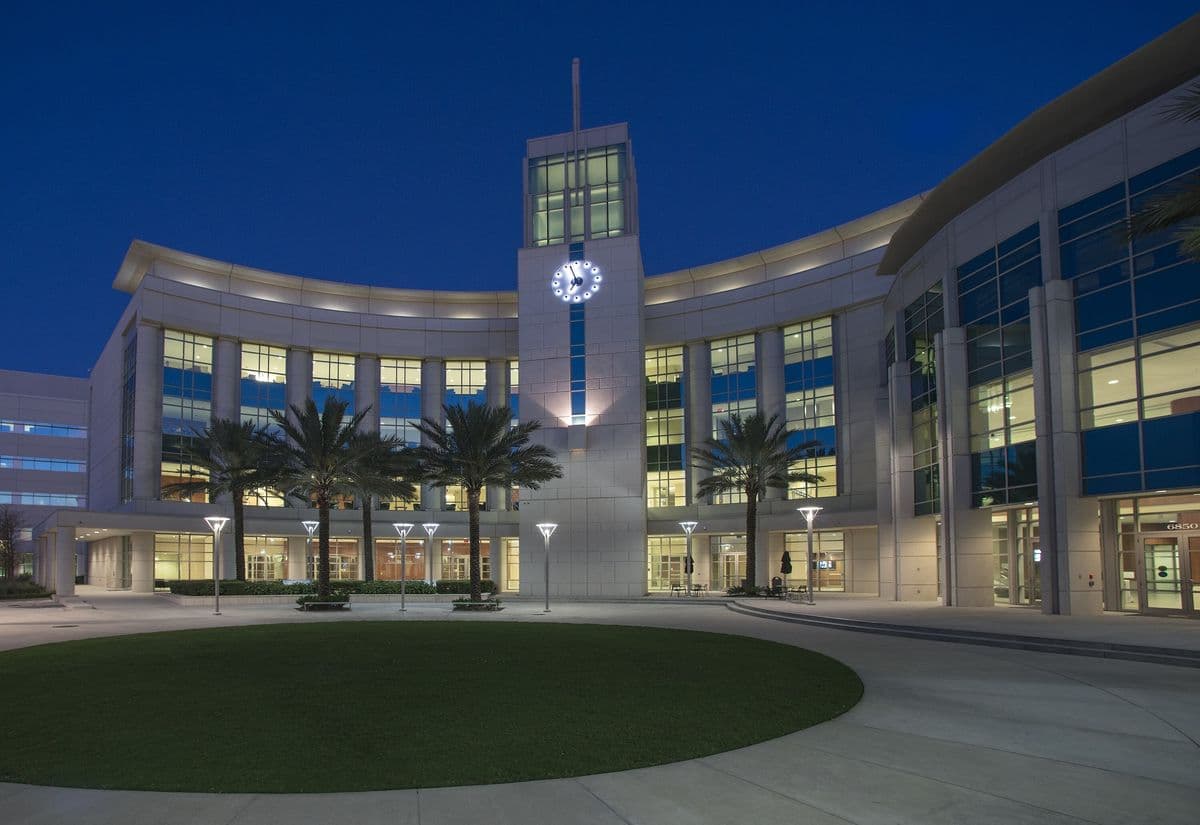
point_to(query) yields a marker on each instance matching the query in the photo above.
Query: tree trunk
(323, 547)
(239, 536)
(751, 539)
(368, 548)
(473, 521)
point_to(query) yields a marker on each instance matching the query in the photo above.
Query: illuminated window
(514, 394)
(665, 447)
(343, 559)
(186, 401)
(182, 556)
(263, 383)
(808, 384)
(512, 565)
(1003, 453)
(333, 376)
(466, 381)
(665, 562)
(562, 208)
(387, 560)
(456, 559)
(266, 558)
(829, 559)
(400, 399)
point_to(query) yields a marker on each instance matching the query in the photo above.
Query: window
(466, 381)
(733, 379)
(456, 559)
(561, 208)
(456, 498)
(37, 428)
(512, 565)
(728, 555)
(1003, 455)
(665, 447)
(343, 559)
(387, 560)
(266, 558)
(923, 320)
(263, 383)
(400, 399)
(514, 395)
(664, 562)
(809, 387)
(182, 556)
(187, 404)
(829, 559)
(46, 465)
(43, 499)
(128, 389)
(333, 376)
(1139, 410)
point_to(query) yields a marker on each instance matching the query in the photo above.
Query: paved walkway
(946, 733)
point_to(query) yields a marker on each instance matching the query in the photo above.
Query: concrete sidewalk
(946, 734)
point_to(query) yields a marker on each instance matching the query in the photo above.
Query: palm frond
(1186, 106)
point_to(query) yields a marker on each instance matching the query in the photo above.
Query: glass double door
(1169, 573)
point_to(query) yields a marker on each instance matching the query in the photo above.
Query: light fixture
(547, 528)
(430, 528)
(810, 514)
(1114, 381)
(216, 524)
(688, 564)
(402, 529)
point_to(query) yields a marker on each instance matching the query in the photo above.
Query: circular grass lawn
(355, 706)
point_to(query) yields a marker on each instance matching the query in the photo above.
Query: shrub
(486, 604)
(745, 590)
(463, 586)
(21, 588)
(231, 587)
(418, 586)
(337, 598)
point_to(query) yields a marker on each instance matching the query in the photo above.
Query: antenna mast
(575, 95)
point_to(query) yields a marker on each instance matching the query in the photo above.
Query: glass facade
(387, 560)
(1137, 321)
(512, 565)
(42, 499)
(343, 559)
(400, 399)
(734, 386)
(514, 391)
(266, 558)
(39, 428)
(186, 402)
(466, 381)
(809, 387)
(728, 554)
(578, 196)
(666, 483)
(664, 562)
(924, 319)
(333, 376)
(578, 332)
(128, 392)
(45, 465)
(993, 305)
(456, 559)
(182, 556)
(263, 383)
(829, 560)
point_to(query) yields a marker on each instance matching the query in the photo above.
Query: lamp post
(310, 527)
(216, 524)
(403, 529)
(431, 527)
(810, 514)
(547, 529)
(688, 563)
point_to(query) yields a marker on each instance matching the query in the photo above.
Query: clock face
(576, 281)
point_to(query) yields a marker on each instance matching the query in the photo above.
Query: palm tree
(231, 458)
(318, 461)
(385, 467)
(1179, 208)
(751, 455)
(478, 447)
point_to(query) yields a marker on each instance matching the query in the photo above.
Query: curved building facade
(990, 379)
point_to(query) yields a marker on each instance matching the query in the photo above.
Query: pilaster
(142, 563)
(771, 397)
(698, 422)
(227, 376)
(433, 393)
(147, 413)
(366, 392)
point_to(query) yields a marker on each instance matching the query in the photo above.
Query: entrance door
(1169, 568)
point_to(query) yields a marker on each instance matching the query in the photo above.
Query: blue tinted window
(1111, 450)
(1173, 441)
(1099, 309)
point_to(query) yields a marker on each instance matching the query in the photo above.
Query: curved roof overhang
(1153, 70)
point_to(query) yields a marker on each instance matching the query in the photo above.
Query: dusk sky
(383, 144)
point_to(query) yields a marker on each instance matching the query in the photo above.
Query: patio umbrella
(689, 566)
(785, 567)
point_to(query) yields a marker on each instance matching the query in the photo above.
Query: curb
(1039, 644)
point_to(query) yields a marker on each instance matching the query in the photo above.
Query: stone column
(497, 396)
(966, 531)
(1069, 525)
(914, 540)
(698, 421)
(227, 378)
(296, 561)
(147, 413)
(142, 563)
(228, 553)
(366, 391)
(433, 392)
(772, 400)
(299, 376)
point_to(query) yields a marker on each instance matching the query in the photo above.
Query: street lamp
(431, 527)
(216, 524)
(547, 529)
(810, 513)
(403, 529)
(311, 527)
(688, 563)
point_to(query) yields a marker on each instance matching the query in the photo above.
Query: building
(993, 379)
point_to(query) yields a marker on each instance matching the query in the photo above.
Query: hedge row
(22, 587)
(204, 587)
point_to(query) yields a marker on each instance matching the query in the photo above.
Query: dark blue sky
(383, 144)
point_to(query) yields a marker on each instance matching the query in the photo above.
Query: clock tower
(582, 362)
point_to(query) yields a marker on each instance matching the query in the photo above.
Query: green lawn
(351, 706)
